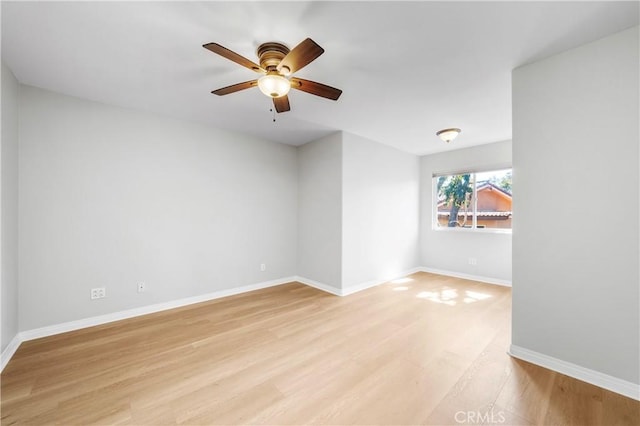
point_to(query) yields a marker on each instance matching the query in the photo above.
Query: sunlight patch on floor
(451, 297)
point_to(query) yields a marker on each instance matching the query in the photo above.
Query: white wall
(110, 197)
(576, 249)
(320, 210)
(450, 250)
(9, 207)
(380, 203)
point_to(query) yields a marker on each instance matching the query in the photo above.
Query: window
(473, 200)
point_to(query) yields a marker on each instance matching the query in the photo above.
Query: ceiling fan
(278, 63)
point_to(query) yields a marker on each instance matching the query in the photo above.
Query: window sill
(474, 230)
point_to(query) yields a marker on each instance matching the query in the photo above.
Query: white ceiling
(407, 69)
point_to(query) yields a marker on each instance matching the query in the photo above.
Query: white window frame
(474, 201)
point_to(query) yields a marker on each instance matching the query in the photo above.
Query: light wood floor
(431, 350)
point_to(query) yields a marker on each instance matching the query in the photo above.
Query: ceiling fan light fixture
(274, 85)
(448, 135)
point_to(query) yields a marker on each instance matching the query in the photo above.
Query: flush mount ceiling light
(448, 135)
(274, 85)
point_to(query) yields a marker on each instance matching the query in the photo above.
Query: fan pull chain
(274, 114)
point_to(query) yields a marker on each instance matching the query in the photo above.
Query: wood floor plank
(618, 410)
(573, 402)
(477, 389)
(415, 351)
(526, 391)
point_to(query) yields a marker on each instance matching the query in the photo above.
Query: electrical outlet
(141, 287)
(473, 261)
(263, 266)
(98, 292)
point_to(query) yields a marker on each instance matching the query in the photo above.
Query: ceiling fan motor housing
(270, 54)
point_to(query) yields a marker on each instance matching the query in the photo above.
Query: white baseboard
(488, 280)
(605, 381)
(368, 284)
(614, 384)
(8, 352)
(354, 288)
(144, 310)
(320, 286)
(130, 313)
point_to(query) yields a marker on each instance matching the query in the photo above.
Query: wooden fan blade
(235, 88)
(300, 56)
(315, 88)
(233, 56)
(281, 103)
